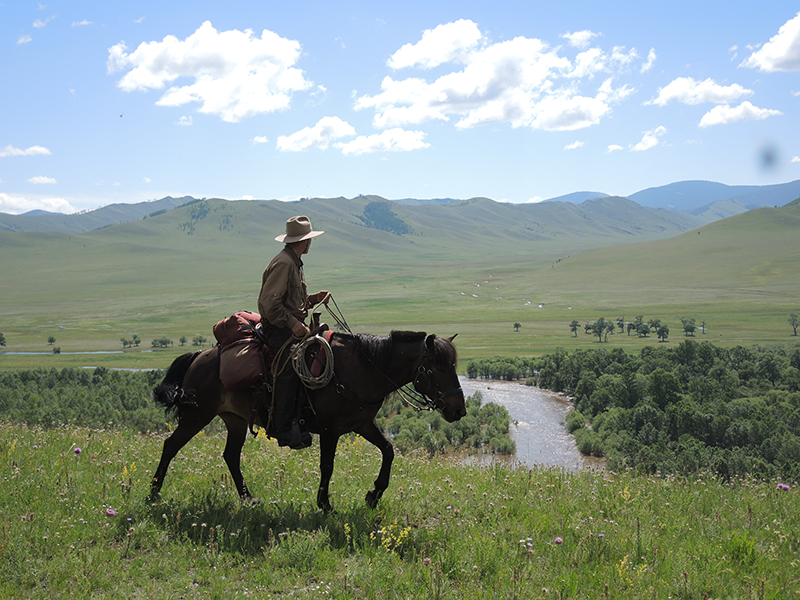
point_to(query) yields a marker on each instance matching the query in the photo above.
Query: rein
(420, 401)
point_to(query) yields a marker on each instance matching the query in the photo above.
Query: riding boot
(290, 428)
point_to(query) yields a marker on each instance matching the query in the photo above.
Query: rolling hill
(472, 266)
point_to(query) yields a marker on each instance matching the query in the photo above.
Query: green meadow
(75, 523)
(474, 268)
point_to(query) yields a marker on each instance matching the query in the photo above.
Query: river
(540, 434)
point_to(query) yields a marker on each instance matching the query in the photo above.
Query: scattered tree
(517, 326)
(3, 340)
(598, 328)
(136, 340)
(621, 324)
(609, 329)
(654, 324)
(688, 325)
(125, 342)
(794, 321)
(51, 340)
(57, 350)
(161, 343)
(643, 330)
(198, 340)
(182, 340)
(573, 327)
(663, 333)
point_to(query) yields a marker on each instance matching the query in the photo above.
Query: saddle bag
(241, 365)
(238, 326)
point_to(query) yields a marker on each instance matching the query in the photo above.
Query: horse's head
(437, 378)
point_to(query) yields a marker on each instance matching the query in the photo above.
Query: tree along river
(540, 433)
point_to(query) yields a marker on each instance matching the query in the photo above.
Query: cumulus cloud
(24, 39)
(613, 148)
(651, 60)
(725, 115)
(185, 121)
(40, 179)
(522, 82)
(689, 91)
(437, 46)
(580, 39)
(83, 23)
(321, 135)
(260, 139)
(32, 151)
(795, 159)
(781, 52)
(390, 140)
(15, 205)
(235, 74)
(650, 139)
(574, 145)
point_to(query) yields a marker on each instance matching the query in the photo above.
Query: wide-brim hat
(297, 230)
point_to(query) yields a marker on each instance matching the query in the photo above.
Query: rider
(283, 305)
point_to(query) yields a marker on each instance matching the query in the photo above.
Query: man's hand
(299, 330)
(323, 296)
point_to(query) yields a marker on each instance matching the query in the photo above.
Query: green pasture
(178, 273)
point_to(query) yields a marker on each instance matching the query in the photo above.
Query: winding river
(540, 434)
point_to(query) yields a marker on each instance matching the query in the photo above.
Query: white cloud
(574, 145)
(260, 139)
(185, 121)
(650, 139)
(236, 75)
(14, 205)
(613, 148)
(32, 151)
(38, 23)
(651, 60)
(781, 52)
(725, 115)
(140, 20)
(580, 39)
(146, 179)
(689, 91)
(390, 140)
(321, 135)
(24, 39)
(41, 179)
(438, 46)
(83, 23)
(522, 82)
(795, 159)
(534, 200)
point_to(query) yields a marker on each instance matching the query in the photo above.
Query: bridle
(425, 373)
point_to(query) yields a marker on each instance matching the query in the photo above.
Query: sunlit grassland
(740, 275)
(79, 525)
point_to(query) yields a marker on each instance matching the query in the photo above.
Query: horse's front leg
(327, 451)
(374, 435)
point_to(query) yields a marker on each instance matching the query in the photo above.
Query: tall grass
(77, 525)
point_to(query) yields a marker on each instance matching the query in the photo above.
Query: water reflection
(540, 433)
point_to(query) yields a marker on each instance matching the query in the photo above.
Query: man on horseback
(283, 305)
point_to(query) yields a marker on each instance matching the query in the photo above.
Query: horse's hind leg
(184, 432)
(373, 434)
(237, 434)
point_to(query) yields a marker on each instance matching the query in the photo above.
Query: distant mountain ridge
(701, 202)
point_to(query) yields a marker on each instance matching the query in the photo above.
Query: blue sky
(108, 102)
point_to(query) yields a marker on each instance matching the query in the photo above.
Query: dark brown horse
(366, 369)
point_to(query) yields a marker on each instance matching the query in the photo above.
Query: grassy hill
(474, 267)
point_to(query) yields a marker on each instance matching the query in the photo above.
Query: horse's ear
(450, 339)
(429, 341)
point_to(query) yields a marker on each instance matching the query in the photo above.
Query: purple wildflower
(784, 487)
(559, 540)
(111, 512)
(426, 561)
(78, 450)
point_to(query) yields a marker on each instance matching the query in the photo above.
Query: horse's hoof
(250, 501)
(372, 498)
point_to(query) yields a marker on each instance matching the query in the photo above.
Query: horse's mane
(379, 348)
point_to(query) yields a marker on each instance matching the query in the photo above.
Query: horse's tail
(169, 392)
